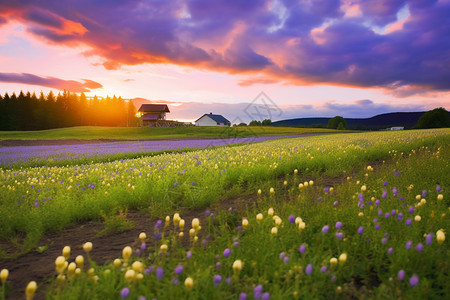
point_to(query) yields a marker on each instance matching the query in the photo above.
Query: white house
(212, 120)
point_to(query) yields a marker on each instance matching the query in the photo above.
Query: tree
(341, 126)
(254, 123)
(242, 124)
(333, 123)
(266, 122)
(436, 118)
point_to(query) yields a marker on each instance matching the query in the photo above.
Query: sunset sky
(311, 58)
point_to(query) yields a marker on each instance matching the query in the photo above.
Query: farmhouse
(212, 120)
(152, 114)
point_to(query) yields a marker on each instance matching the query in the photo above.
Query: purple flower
(218, 265)
(411, 209)
(236, 244)
(286, 260)
(143, 246)
(375, 220)
(282, 255)
(179, 269)
(377, 227)
(390, 251)
(338, 225)
(323, 269)
(309, 269)
(242, 296)
(159, 273)
(339, 235)
(360, 230)
(384, 240)
(326, 190)
(419, 247)
(408, 245)
(226, 252)
(386, 215)
(424, 193)
(384, 194)
(158, 236)
(228, 280)
(258, 289)
(438, 188)
(175, 184)
(333, 278)
(265, 296)
(380, 212)
(291, 219)
(325, 229)
(189, 254)
(385, 183)
(335, 203)
(125, 292)
(302, 248)
(429, 239)
(207, 212)
(377, 202)
(401, 274)
(414, 280)
(408, 222)
(393, 212)
(320, 199)
(158, 224)
(175, 281)
(400, 216)
(217, 280)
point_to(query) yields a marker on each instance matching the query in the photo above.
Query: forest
(30, 112)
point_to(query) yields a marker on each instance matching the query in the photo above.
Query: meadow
(360, 215)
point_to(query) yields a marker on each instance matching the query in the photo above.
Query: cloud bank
(400, 45)
(51, 82)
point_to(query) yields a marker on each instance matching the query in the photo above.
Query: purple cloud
(312, 42)
(52, 82)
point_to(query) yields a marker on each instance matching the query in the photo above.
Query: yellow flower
(87, 247)
(30, 289)
(176, 218)
(80, 261)
(237, 265)
(60, 264)
(189, 283)
(417, 218)
(191, 232)
(272, 191)
(259, 191)
(333, 261)
(167, 221)
(440, 197)
(278, 221)
(66, 252)
(360, 214)
(4, 275)
(440, 236)
(301, 225)
(305, 184)
(245, 223)
(130, 275)
(295, 171)
(181, 224)
(343, 258)
(274, 230)
(164, 248)
(126, 253)
(117, 263)
(418, 197)
(363, 188)
(195, 223)
(138, 266)
(259, 217)
(285, 183)
(142, 237)
(300, 186)
(270, 211)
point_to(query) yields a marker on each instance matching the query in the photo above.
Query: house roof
(217, 118)
(154, 108)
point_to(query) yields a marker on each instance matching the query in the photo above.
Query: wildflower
(125, 292)
(333, 261)
(272, 191)
(159, 273)
(414, 280)
(323, 269)
(87, 247)
(270, 211)
(408, 222)
(226, 252)
(217, 280)
(265, 296)
(401, 274)
(181, 224)
(339, 235)
(429, 239)
(417, 218)
(338, 225)
(440, 197)
(142, 236)
(278, 221)
(242, 296)
(377, 227)
(188, 254)
(80, 261)
(274, 230)
(343, 258)
(363, 188)
(195, 223)
(325, 229)
(411, 209)
(384, 240)
(179, 269)
(259, 192)
(291, 219)
(130, 275)
(301, 225)
(390, 251)
(189, 283)
(302, 248)
(408, 245)
(440, 236)
(30, 289)
(237, 265)
(126, 253)
(360, 214)
(419, 247)
(66, 252)
(259, 217)
(4, 275)
(360, 230)
(309, 269)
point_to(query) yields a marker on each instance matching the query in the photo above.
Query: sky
(249, 59)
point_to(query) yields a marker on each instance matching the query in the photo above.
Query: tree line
(31, 112)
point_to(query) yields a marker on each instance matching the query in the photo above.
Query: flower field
(339, 216)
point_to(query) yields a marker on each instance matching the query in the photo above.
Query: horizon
(356, 58)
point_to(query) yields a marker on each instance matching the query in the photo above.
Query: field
(145, 133)
(355, 215)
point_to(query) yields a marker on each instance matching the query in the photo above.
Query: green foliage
(334, 123)
(341, 126)
(254, 123)
(115, 223)
(266, 122)
(436, 118)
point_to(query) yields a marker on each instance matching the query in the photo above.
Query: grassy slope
(93, 132)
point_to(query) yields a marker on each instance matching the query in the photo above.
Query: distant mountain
(403, 119)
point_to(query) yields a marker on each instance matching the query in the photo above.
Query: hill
(404, 119)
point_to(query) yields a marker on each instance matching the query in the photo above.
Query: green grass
(97, 132)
